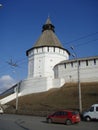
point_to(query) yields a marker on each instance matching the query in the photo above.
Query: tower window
(48, 49)
(94, 61)
(86, 62)
(71, 64)
(42, 49)
(65, 65)
(79, 63)
(37, 50)
(54, 49)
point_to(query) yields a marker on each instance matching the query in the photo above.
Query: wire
(83, 37)
(88, 42)
(4, 68)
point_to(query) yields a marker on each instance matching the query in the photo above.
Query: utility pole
(17, 97)
(79, 85)
(14, 64)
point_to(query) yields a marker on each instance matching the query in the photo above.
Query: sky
(21, 21)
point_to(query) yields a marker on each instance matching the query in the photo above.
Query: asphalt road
(18, 122)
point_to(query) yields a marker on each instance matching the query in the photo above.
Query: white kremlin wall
(35, 85)
(64, 72)
(88, 68)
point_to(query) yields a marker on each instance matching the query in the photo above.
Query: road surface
(20, 122)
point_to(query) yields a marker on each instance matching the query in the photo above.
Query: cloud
(6, 82)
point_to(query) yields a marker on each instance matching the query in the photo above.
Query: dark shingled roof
(48, 37)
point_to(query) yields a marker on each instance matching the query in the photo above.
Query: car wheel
(68, 122)
(87, 118)
(49, 120)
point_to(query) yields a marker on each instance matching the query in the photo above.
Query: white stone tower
(42, 57)
(46, 53)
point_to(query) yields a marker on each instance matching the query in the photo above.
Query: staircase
(9, 98)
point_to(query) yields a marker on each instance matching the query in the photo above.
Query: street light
(78, 74)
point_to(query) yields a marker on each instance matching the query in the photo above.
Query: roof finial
(48, 20)
(48, 15)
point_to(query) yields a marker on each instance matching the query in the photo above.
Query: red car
(64, 116)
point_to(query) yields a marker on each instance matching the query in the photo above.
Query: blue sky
(21, 21)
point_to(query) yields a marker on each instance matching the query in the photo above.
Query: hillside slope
(65, 97)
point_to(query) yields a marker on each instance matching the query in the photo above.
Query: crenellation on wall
(53, 50)
(82, 64)
(88, 70)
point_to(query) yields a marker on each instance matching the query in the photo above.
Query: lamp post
(78, 75)
(17, 97)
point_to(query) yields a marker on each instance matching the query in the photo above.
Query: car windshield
(90, 109)
(75, 113)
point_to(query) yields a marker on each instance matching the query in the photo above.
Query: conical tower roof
(48, 37)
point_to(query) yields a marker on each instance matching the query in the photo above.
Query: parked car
(91, 113)
(64, 116)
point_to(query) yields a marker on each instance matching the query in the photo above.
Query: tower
(46, 53)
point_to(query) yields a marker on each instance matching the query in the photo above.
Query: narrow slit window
(71, 64)
(48, 49)
(54, 49)
(65, 65)
(94, 61)
(79, 63)
(86, 62)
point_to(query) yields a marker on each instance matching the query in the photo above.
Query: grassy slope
(65, 97)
